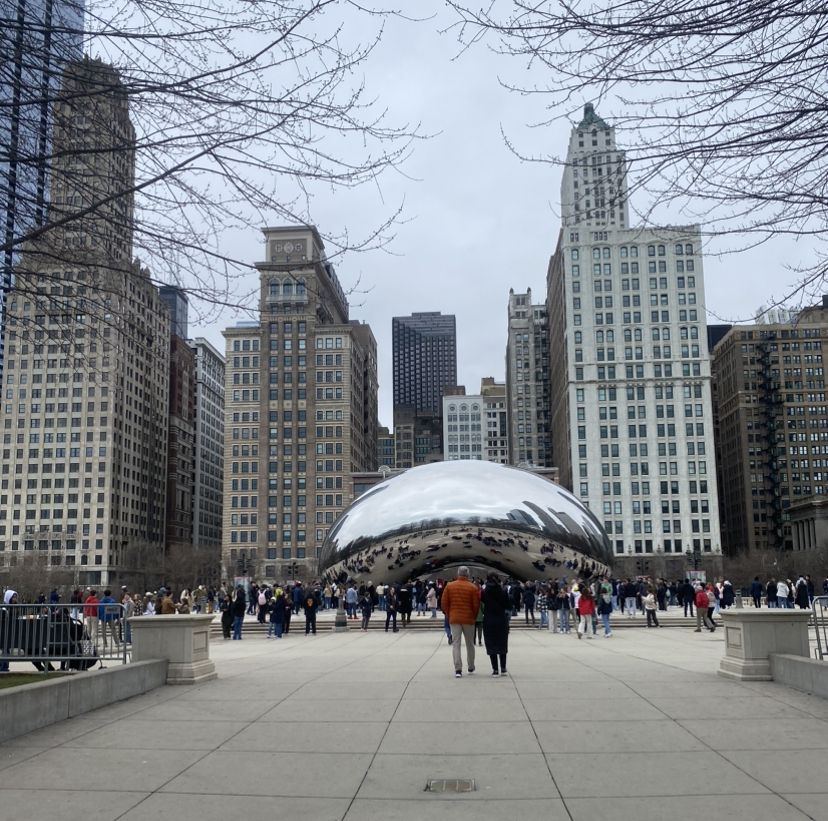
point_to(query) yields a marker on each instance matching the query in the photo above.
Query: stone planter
(183, 640)
(752, 635)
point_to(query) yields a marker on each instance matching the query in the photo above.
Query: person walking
(702, 603)
(351, 599)
(728, 595)
(496, 613)
(553, 607)
(650, 605)
(297, 595)
(239, 607)
(711, 603)
(688, 596)
(90, 613)
(586, 608)
(461, 601)
(756, 592)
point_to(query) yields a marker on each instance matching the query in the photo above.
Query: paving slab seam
(387, 727)
(719, 754)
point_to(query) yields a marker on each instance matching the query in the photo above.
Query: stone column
(184, 640)
(752, 635)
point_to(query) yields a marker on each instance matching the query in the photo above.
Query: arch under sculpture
(436, 517)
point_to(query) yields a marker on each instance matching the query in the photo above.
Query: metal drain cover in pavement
(450, 785)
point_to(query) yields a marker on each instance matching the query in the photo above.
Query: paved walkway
(352, 726)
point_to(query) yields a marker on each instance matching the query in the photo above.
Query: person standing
(630, 594)
(782, 591)
(460, 604)
(311, 604)
(770, 594)
(431, 601)
(351, 599)
(728, 596)
(226, 608)
(586, 608)
(496, 612)
(404, 603)
(326, 596)
(90, 614)
(803, 602)
(529, 603)
(650, 604)
(239, 606)
(711, 603)
(390, 608)
(278, 605)
(565, 605)
(543, 608)
(688, 596)
(605, 608)
(366, 606)
(756, 592)
(478, 624)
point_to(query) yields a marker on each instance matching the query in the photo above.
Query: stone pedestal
(341, 618)
(752, 635)
(184, 640)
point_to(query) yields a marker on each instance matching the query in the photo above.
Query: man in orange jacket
(460, 603)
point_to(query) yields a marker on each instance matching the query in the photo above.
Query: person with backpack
(263, 606)
(605, 608)
(311, 603)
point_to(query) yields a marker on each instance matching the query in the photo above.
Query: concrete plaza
(351, 726)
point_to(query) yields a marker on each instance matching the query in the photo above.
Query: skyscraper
(425, 359)
(300, 411)
(527, 381)
(631, 413)
(85, 388)
(37, 39)
(208, 457)
(773, 428)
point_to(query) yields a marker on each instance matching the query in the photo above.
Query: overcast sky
(479, 221)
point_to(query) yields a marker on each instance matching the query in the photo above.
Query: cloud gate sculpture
(436, 517)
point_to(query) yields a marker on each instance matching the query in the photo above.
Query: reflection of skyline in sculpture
(442, 515)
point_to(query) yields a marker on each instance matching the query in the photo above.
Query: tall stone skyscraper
(85, 387)
(37, 40)
(425, 359)
(300, 412)
(527, 381)
(631, 412)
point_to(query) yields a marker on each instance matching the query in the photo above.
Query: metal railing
(820, 606)
(77, 636)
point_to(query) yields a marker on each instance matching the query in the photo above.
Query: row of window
(681, 249)
(666, 488)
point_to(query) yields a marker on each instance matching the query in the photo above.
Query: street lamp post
(694, 557)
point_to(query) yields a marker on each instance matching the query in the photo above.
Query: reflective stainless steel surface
(439, 516)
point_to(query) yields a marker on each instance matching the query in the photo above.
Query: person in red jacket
(586, 608)
(702, 603)
(90, 613)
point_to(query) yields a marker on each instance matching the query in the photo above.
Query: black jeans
(310, 623)
(529, 610)
(391, 616)
(365, 618)
(651, 617)
(688, 603)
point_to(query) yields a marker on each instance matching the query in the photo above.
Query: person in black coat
(496, 612)
(239, 607)
(756, 592)
(311, 603)
(688, 597)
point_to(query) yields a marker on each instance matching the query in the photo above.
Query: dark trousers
(365, 619)
(287, 619)
(688, 603)
(478, 632)
(757, 601)
(651, 617)
(391, 616)
(529, 610)
(310, 623)
(493, 659)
